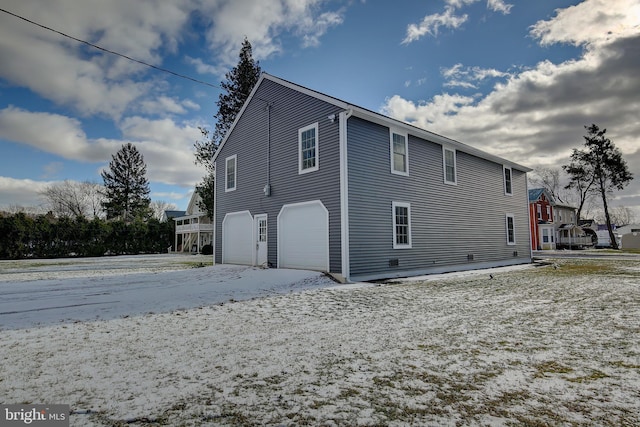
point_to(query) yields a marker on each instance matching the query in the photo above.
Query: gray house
(304, 180)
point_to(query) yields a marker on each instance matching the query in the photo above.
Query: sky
(517, 79)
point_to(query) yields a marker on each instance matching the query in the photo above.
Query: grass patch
(595, 375)
(551, 367)
(621, 364)
(588, 267)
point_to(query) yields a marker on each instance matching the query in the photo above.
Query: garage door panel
(237, 238)
(303, 236)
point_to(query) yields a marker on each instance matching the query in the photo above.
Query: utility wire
(164, 70)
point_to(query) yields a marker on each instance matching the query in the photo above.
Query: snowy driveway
(53, 291)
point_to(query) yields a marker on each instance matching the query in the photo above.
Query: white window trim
(393, 218)
(317, 157)
(504, 180)
(539, 212)
(506, 226)
(444, 166)
(235, 173)
(406, 151)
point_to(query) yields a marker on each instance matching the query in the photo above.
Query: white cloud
(590, 22)
(167, 105)
(431, 24)
(460, 76)
(499, 6)
(21, 192)
(537, 115)
(167, 147)
(262, 22)
(74, 75)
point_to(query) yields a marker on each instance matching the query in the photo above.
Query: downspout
(529, 214)
(267, 187)
(344, 195)
(215, 214)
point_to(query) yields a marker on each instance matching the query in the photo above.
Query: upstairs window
(510, 229)
(399, 154)
(539, 209)
(308, 149)
(401, 225)
(230, 176)
(507, 181)
(449, 165)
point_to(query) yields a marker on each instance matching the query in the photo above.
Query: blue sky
(517, 79)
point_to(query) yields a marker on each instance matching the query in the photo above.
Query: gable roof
(173, 214)
(536, 193)
(371, 116)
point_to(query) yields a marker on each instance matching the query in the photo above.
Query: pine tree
(236, 89)
(599, 167)
(126, 186)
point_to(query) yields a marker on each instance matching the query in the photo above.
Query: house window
(399, 154)
(510, 228)
(540, 212)
(401, 225)
(308, 149)
(262, 230)
(449, 164)
(507, 181)
(230, 176)
(549, 212)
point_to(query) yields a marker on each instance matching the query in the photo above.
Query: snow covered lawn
(551, 345)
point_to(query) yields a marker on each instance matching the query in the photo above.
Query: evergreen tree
(236, 89)
(599, 167)
(126, 186)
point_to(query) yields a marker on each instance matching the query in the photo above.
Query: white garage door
(237, 238)
(303, 236)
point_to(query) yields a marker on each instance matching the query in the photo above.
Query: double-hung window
(231, 173)
(508, 190)
(510, 229)
(401, 225)
(399, 153)
(449, 165)
(308, 149)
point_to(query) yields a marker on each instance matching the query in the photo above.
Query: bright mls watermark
(34, 415)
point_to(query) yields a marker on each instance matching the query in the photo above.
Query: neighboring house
(304, 180)
(193, 229)
(553, 225)
(169, 215)
(543, 233)
(569, 235)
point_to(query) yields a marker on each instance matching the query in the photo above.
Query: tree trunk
(612, 237)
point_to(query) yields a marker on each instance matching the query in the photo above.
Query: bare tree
(549, 179)
(74, 199)
(159, 206)
(620, 215)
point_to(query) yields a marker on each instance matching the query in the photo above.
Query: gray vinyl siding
(448, 222)
(290, 111)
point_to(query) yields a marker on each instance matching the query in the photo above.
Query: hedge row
(44, 236)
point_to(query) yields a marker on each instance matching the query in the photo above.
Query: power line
(164, 70)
